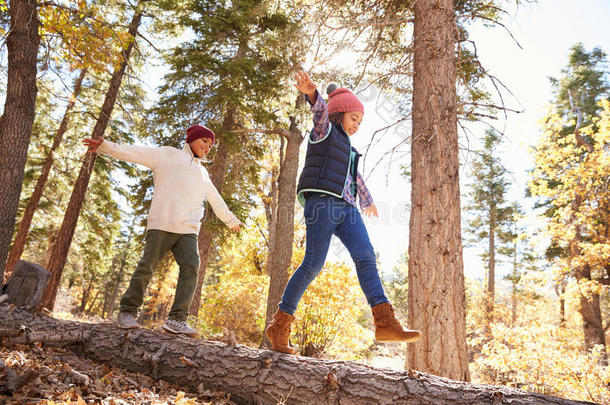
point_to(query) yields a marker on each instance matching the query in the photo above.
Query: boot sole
(128, 327)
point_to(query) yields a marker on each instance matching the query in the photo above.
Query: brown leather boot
(387, 327)
(278, 332)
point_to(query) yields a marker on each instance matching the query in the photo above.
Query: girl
(181, 184)
(328, 187)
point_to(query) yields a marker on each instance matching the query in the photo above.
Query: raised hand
(305, 85)
(92, 144)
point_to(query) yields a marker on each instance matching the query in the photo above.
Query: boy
(181, 184)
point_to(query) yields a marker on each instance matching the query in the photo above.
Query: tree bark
(218, 170)
(18, 116)
(60, 249)
(513, 295)
(590, 311)
(108, 307)
(254, 376)
(491, 274)
(280, 254)
(28, 214)
(437, 304)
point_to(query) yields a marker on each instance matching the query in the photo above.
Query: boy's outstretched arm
(318, 106)
(142, 155)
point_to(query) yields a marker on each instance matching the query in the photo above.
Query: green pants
(158, 243)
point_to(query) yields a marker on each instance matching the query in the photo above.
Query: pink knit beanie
(343, 100)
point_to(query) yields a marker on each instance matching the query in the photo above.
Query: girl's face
(201, 146)
(351, 122)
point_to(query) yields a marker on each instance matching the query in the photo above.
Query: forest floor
(65, 378)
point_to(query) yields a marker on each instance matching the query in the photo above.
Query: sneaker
(127, 321)
(174, 326)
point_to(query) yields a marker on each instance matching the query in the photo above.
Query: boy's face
(201, 147)
(351, 122)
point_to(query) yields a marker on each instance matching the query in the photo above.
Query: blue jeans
(326, 215)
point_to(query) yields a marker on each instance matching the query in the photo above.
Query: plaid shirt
(320, 129)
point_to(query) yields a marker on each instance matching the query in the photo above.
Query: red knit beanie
(343, 100)
(198, 131)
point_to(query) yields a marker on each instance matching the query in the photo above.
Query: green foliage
(582, 84)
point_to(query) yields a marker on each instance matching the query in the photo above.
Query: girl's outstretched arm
(320, 112)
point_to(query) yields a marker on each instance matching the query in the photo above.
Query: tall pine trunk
(110, 303)
(280, 255)
(28, 214)
(18, 116)
(61, 247)
(513, 295)
(491, 274)
(436, 275)
(218, 170)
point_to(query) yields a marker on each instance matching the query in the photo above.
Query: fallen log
(254, 376)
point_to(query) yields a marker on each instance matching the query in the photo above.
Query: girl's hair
(336, 117)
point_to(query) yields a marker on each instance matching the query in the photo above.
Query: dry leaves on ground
(64, 378)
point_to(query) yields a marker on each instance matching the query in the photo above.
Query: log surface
(254, 376)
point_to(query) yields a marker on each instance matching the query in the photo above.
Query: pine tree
(571, 182)
(226, 77)
(489, 211)
(517, 252)
(60, 249)
(436, 268)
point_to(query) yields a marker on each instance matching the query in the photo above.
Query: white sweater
(181, 185)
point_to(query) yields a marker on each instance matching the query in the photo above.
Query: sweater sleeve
(320, 117)
(218, 204)
(142, 155)
(366, 200)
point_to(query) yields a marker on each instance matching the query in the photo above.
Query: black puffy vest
(327, 163)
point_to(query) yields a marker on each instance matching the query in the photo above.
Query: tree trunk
(86, 293)
(437, 304)
(88, 311)
(61, 247)
(590, 311)
(280, 256)
(218, 170)
(18, 116)
(560, 289)
(491, 274)
(28, 214)
(272, 204)
(109, 307)
(513, 295)
(253, 376)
